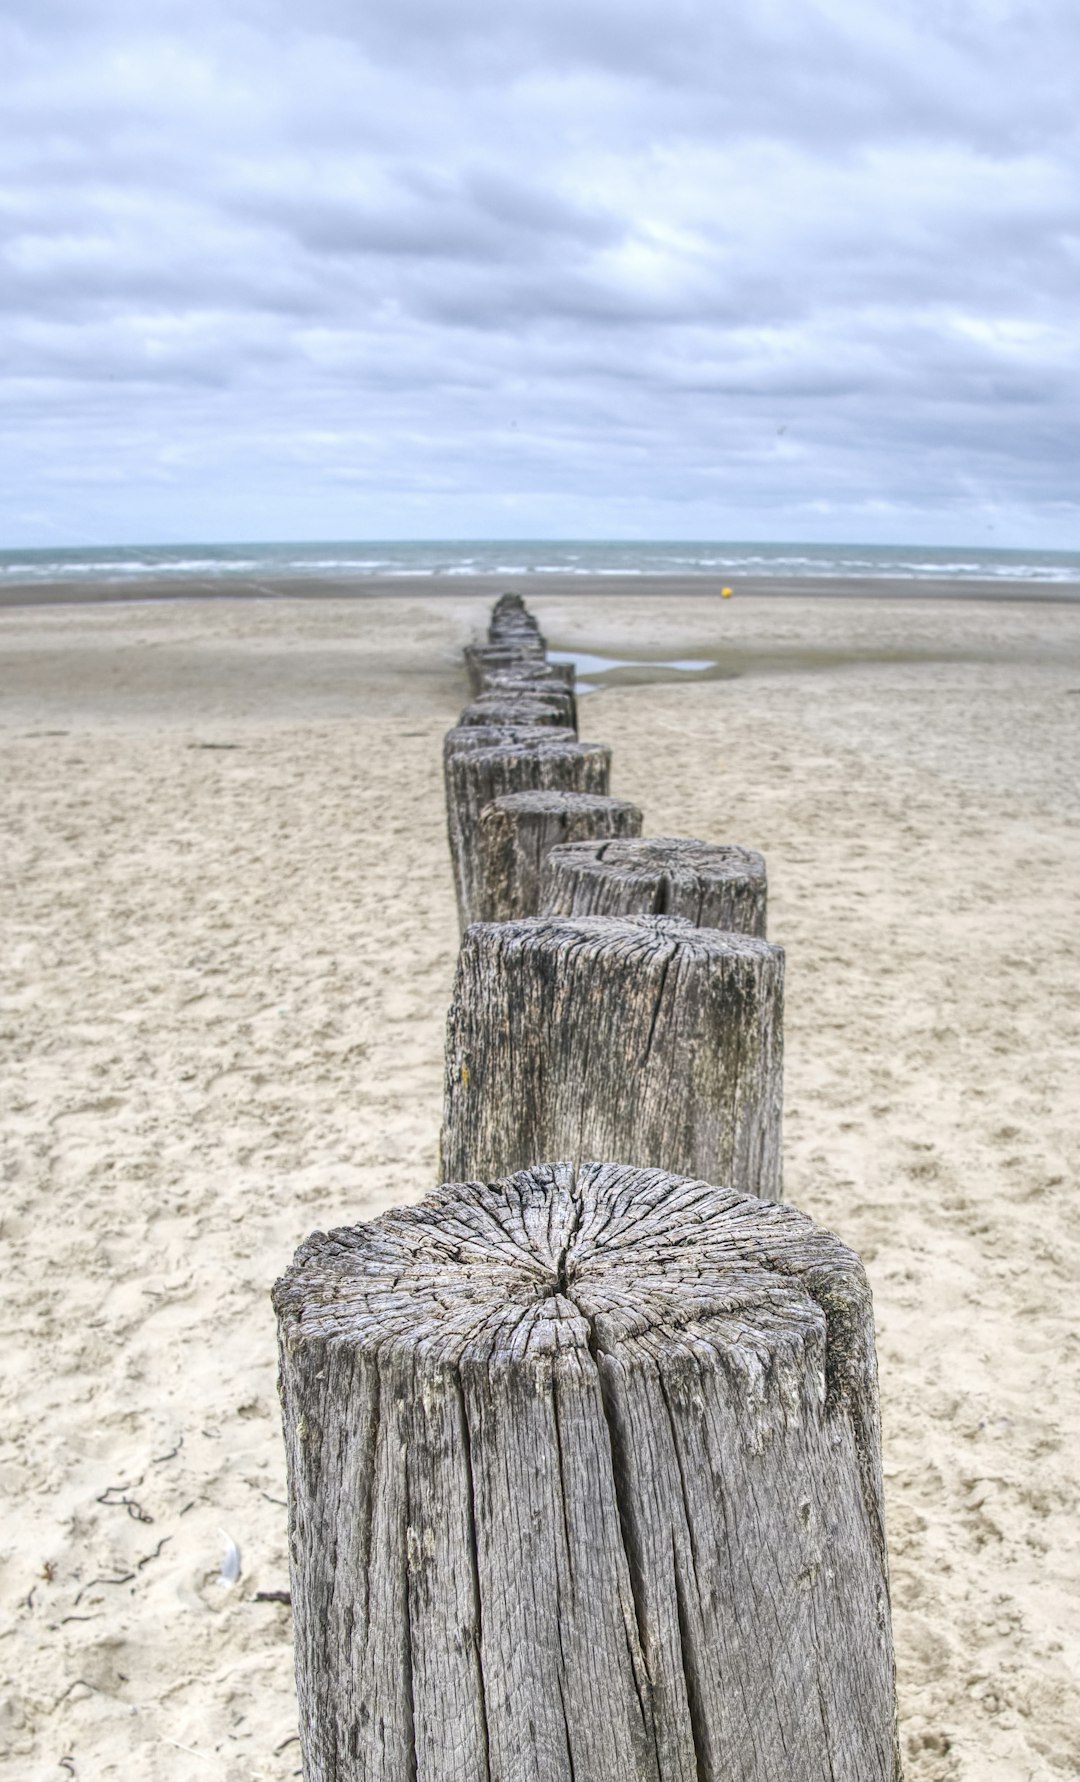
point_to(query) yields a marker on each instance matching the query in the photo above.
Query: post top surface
(473, 737)
(575, 1262)
(556, 802)
(644, 940)
(677, 856)
(542, 746)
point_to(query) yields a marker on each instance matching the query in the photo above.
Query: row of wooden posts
(584, 1459)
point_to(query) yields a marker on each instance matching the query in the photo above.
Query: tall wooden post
(516, 834)
(639, 1037)
(475, 777)
(585, 1486)
(713, 886)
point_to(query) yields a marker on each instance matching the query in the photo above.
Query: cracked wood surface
(474, 777)
(639, 1037)
(534, 677)
(512, 622)
(521, 705)
(712, 885)
(481, 658)
(516, 834)
(496, 736)
(584, 1486)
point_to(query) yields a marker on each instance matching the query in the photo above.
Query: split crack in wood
(448, 1373)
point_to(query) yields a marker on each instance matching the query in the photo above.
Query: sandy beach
(229, 942)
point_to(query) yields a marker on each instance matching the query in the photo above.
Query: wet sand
(230, 941)
(542, 588)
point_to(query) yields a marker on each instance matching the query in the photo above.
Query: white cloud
(594, 266)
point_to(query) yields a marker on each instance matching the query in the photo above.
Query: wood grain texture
(547, 679)
(475, 777)
(516, 834)
(494, 736)
(638, 1037)
(480, 658)
(531, 668)
(512, 622)
(528, 703)
(584, 1486)
(711, 885)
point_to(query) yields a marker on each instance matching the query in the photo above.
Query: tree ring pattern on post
(467, 738)
(712, 885)
(639, 1037)
(585, 1486)
(515, 710)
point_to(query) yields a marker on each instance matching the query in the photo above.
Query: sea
(442, 561)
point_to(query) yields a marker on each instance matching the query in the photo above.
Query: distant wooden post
(516, 834)
(489, 709)
(549, 697)
(542, 680)
(475, 777)
(512, 621)
(639, 1037)
(713, 886)
(528, 668)
(585, 1486)
(494, 736)
(481, 659)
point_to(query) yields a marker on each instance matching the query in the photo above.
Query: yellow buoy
(726, 593)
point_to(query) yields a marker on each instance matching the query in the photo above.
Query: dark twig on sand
(124, 1578)
(116, 1495)
(147, 1557)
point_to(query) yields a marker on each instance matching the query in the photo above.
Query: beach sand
(230, 939)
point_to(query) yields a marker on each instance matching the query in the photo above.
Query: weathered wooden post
(483, 658)
(529, 668)
(498, 708)
(639, 1037)
(517, 704)
(511, 619)
(516, 834)
(475, 777)
(542, 683)
(493, 736)
(713, 886)
(585, 1486)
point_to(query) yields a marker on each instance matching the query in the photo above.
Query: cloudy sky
(773, 269)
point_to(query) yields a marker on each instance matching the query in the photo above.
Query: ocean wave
(540, 560)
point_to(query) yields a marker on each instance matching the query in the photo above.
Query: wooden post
(516, 834)
(511, 620)
(493, 736)
(639, 1037)
(529, 668)
(542, 680)
(585, 1486)
(712, 886)
(481, 658)
(475, 777)
(516, 705)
